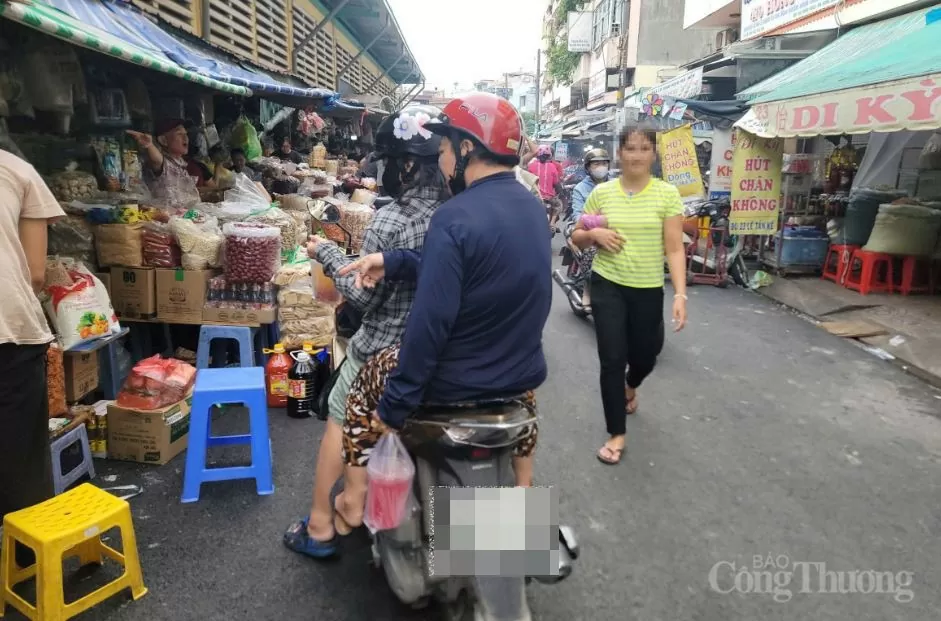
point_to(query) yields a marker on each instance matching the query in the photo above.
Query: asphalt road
(758, 434)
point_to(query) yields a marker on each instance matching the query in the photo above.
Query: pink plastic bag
(390, 473)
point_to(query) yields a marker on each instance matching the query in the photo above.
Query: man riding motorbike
(550, 183)
(597, 165)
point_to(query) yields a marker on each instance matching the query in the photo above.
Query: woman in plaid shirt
(411, 174)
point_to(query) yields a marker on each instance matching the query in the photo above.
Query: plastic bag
(77, 303)
(119, 244)
(252, 252)
(73, 236)
(272, 216)
(160, 249)
(247, 192)
(390, 472)
(909, 230)
(155, 383)
(55, 381)
(355, 218)
(199, 239)
(245, 137)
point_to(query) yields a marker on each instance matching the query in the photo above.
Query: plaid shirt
(385, 307)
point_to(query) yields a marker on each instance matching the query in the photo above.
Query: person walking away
(643, 220)
(484, 293)
(413, 177)
(26, 208)
(597, 164)
(550, 182)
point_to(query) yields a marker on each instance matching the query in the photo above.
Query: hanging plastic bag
(245, 137)
(246, 192)
(390, 473)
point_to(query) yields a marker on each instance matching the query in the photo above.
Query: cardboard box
(181, 295)
(105, 278)
(81, 374)
(239, 317)
(133, 292)
(150, 437)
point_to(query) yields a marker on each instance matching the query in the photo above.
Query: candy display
(252, 252)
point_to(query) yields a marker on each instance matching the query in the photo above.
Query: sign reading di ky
(679, 162)
(756, 184)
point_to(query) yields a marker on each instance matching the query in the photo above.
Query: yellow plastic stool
(70, 524)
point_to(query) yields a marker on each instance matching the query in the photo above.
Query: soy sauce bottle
(302, 379)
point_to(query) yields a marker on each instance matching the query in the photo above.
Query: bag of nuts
(252, 252)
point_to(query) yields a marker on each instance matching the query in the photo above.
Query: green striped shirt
(639, 220)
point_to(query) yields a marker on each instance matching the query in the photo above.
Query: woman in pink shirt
(550, 182)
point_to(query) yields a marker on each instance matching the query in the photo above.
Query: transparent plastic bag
(73, 236)
(199, 239)
(390, 473)
(252, 252)
(155, 383)
(247, 192)
(273, 216)
(159, 246)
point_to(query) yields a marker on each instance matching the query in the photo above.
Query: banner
(579, 27)
(761, 16)
(720, 169)
(684, 86)
(679, 162)
(756, 184)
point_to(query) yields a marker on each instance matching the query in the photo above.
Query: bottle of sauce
(301, 386)
(276, 376)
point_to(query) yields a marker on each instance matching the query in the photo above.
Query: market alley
(758, 434)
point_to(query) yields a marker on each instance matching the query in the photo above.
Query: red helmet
(491, 120)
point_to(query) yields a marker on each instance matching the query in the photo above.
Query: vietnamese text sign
(579, 38)
(913, 104)
(684, 86)
(720, 170)
(678, 161)
(761, 16)
(756, 184)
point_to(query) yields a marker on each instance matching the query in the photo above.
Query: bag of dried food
(252, 252)
(73, 236)
(119, 244)
(72, 185)
(159, 246)
(355, 218)
(155, 383)
(272, 216)
(199, 239)
(77, 303)
(55, 381)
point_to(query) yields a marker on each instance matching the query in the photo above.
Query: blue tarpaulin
(124, 21)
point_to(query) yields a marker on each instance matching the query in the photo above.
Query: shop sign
(598, 84)
(579, 31)
(761, 16)
(720, 170)
(561, 151)
(912, 104)
(756, 184)
(684, 86)
(679, 162)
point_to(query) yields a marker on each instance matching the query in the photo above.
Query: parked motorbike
(460, 446)
(713, 256)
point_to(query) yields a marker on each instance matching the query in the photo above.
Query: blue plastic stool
(62, 480)
(243, 335)
(233, 385)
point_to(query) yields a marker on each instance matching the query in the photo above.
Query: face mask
(599, 173)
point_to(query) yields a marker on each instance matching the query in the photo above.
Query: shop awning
(882, 77)
(128, 23)
(63, 26)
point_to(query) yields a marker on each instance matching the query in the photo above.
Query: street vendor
(165, 162)
(288, 154)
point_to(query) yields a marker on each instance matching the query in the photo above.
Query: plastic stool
(869, 280)
(243, 335)
(62, 481)
(836, 269)
(910, 269)
(70, 524)
(233, 385)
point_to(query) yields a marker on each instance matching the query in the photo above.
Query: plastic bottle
(276, 376)
(301, 386)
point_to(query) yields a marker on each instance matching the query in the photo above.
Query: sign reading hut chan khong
(909, 104)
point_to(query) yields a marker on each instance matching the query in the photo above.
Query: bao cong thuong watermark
(777, 576)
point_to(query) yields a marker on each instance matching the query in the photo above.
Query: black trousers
(630, 332)
(25, 466)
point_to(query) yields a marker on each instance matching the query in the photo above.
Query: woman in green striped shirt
(634, 221)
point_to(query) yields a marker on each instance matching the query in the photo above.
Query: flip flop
(297, 538)
(615, 458)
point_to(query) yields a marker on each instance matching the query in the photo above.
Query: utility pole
(538, 93)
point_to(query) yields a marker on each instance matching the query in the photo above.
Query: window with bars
(606, 21)
(316, 63)
(180, 13)
(271, 33)
(231, 28)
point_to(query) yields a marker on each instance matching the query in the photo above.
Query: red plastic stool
(916, 267)
(835, 269)
(870, 278)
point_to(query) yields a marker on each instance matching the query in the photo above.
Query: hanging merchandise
(276, 376)
(390, 474)
(56, 81)
(245, 137)
(301, 386)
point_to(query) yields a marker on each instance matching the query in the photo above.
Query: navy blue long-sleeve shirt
(484, 292)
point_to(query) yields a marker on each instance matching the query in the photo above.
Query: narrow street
(758, 434)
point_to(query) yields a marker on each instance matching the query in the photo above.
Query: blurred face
(238, 161)
(176, 142)
(637, 155)
(446, 160)
(286, 147)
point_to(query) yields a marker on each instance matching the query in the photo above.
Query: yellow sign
(679, 162)
(756, 184)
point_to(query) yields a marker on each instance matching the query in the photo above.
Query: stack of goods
(861, 214)
(302, 316)
(155, 383)
(298, 207)
(77, 303)
(905, 228)
(355, 218)
(318, 157)
(221, 293)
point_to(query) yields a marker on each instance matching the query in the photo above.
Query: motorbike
(460, 446)
(713, 254)
(567, 279)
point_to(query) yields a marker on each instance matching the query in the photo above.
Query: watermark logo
(777, 576)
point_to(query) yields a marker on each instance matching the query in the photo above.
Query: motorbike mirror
(324, 212)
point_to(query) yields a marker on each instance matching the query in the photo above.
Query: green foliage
(529, 123)
(561, 63)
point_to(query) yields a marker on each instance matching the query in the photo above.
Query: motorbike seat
(475, 410)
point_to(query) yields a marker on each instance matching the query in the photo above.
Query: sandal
(631, 401)
(297, 538)
(609, 456)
